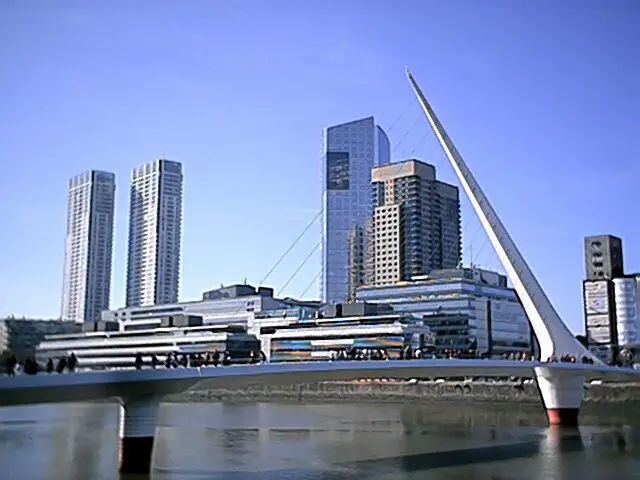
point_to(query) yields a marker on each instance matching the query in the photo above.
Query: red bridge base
(563, 417)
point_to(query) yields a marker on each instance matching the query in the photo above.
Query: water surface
(264, 441)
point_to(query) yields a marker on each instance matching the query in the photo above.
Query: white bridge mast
(554, 336)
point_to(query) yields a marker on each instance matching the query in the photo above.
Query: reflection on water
(293, 441)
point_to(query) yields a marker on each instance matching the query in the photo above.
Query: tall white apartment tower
(155, 234)
(86, 285)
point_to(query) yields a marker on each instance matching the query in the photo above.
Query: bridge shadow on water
(551, 443)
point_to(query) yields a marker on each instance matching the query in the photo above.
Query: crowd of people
(186, 360)
(217, 358)
(410, 353)
(569, 359)
(31, 366)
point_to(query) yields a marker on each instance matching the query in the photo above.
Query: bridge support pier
(561, 393)
(137, 433)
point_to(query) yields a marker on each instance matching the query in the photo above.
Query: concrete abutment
(138, 418)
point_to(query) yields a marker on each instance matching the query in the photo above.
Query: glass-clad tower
(351, 150)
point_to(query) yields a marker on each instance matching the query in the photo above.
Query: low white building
(467, 308)
(230, 305)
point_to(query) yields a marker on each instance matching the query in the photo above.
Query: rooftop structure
(235, 291)
(233, 304)
(603, 257)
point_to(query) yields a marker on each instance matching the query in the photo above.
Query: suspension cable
(424, 137)
(317, 245)
(405, 135)
(291, 246)
(304, 292)
(393, 124)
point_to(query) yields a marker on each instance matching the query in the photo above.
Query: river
(280, 441)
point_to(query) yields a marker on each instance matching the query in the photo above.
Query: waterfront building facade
(466, 308)
(601, 290)
(627, 302)
(155, 234)
(86, 284)
(327, 338)
(109, 348)
(351, 150)
(20, 336)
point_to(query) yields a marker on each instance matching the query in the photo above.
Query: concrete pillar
(137, 433)
(561, 392)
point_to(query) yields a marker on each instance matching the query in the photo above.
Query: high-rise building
(627, 300)
(416, 223)
(356, 260)
(600, 318)
(603, 264)
(155, 234)
(603, 257)
(351, 150)
(86, 285)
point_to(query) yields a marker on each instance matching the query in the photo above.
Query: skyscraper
(155, 234)
(416, 223)
(603, 263)
(86, 285)
(351, 150)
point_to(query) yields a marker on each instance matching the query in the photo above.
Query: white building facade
(351, 150)
(155, 234)
(226, 311)
(86, 285)
(627, 300)
(466, 309)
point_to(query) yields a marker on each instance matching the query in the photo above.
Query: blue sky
(541, 98)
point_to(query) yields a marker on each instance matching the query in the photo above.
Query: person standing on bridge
(50, 366)
(216, 358)
(73, 362)
(11, 363)
(226, 358)
(62, 364)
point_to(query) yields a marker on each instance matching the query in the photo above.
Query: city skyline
(499, 83)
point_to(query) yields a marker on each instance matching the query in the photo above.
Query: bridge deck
(88, 386)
